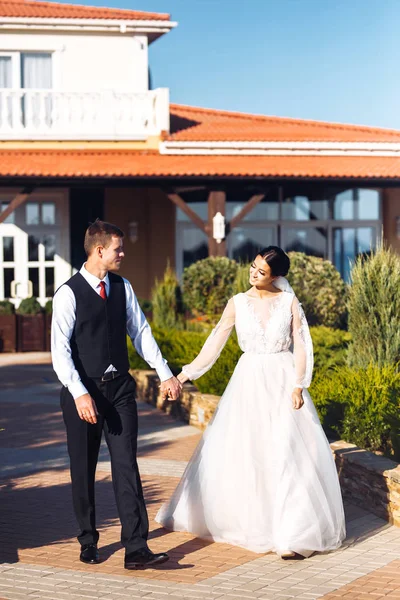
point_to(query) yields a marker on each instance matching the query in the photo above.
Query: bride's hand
(182, 377)
(297, 398)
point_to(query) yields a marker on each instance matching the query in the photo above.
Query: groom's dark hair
(100, 233)
(277, 259)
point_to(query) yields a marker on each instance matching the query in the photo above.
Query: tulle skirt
(263, 476)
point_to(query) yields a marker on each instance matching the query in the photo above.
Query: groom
(92, 314)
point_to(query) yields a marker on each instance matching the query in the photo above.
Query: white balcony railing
(37, 114)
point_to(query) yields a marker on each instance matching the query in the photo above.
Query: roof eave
(280, 148)
(152, 28)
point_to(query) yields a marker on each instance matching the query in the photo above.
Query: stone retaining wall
(366, 479)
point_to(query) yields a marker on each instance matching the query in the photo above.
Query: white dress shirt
(63, 323)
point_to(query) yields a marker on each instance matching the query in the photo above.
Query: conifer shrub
(374, 309)
(167, 301)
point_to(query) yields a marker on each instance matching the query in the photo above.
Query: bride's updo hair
(277, 259)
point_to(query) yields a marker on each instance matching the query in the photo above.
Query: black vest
(99, 336)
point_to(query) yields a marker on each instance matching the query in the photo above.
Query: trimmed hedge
(181, 347)
(29, 306)
(6, 307)
(208, 284)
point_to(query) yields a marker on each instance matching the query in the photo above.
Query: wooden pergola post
(216, 203)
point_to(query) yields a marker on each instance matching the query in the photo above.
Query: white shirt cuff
(164, 372)
(77, 389)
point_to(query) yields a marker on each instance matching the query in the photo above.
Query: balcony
(43, 114)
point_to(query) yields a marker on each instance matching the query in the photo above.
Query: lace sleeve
(302, 346)
(213, 346)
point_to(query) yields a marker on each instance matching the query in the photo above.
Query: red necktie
(103, 290)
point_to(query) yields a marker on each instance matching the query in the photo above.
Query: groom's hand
(171, 389)
(86, 407)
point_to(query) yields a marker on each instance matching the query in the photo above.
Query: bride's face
(260, 273)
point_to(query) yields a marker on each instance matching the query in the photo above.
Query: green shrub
(6, 307)
(319, 288)
(167, 301)
(330, 409)
(208, 284)
(177, 346)
(374, 309)
(242, 283)
(48, 307)
(330, 352)
(29, 306)
(145, 305)
(330, 348)
(371, 401)
(181, 347)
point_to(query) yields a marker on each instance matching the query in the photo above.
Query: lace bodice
(264, 326)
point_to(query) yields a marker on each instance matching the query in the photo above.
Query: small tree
(374, 309)
(167, 301)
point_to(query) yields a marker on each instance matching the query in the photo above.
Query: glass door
(34, 250)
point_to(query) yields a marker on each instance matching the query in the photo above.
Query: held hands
(171, 389)
(86, 408)
(297, 398)
(182, 377)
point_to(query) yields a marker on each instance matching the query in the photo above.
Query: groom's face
(113, 254)
(260, 272)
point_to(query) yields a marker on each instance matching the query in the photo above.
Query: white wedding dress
(263, 476)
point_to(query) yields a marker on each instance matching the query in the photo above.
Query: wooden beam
(216, 203)
(250, 204)
(15, 202)
(180, 203)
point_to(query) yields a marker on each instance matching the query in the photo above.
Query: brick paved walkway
(39, 553)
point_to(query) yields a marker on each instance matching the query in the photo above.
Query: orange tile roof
(202, 124)
(129, 163)
(37, 9)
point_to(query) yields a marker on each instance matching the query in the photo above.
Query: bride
(263, 476)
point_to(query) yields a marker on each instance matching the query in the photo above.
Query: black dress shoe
(89, 554)
(141, 559)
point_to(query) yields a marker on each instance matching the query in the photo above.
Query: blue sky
(334, 60)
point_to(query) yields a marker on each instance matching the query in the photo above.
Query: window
(32, 72)
(194, 245)
(245, 242)
(36, 75)
(350, 242)
(5, 100)
(311, 240)
(11, 217)
(304, 208)
(333, 222)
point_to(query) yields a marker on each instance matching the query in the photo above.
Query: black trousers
(116, 404)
